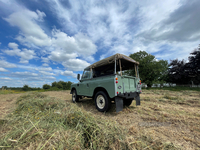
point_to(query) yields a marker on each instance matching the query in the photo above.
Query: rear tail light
(116, 81)
(140, 82)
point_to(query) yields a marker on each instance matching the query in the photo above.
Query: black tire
(102, 101)
(75, 97)
(127, 102)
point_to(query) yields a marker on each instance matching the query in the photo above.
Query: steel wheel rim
(100, 101)
(73, 97)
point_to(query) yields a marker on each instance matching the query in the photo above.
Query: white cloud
(45, 65)
(23, 74)
(68, 48)
(13, 45)
(41, 15)
(50, 78)
(116, 26)
(61, 56)
(75, 64)
(6, 64)
(5, 78)
(47, 73)
(45, 69)
(24, 61)
(31, 32)
(63, 47)
(78, 43)
(69, 73)
(89, 58)
(25, 54)
(45, 59)
(3, 70)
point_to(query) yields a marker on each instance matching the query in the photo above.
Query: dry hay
(165, 119)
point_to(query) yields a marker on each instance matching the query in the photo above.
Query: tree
(193, 66)
(54, 84)
(59, 85)
(25, 87)
(150, 69)
(68, 85)
(181, 72)
(63, 84)
(46, 86)
(177, 72)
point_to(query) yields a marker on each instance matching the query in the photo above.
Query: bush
(54, 89)
(46, 86)
(25, 87)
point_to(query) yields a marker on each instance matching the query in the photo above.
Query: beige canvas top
(111, 59)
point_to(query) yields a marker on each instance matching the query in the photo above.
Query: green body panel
(87, 87)
(127, 84)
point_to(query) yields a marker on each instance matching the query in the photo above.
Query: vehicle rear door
(129, 84)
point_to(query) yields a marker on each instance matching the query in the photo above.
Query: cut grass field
(48, 120)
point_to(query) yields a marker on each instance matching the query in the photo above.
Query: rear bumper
(119, 99)
(129, 95)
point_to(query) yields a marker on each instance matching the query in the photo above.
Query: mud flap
(137, 100)
(119, 104)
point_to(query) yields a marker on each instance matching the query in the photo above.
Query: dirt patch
(7, 103)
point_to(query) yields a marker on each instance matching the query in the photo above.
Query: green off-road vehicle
(106, 81)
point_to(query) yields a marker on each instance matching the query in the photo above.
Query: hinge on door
(123, 87)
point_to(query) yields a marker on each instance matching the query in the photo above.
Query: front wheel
(75, 97)
(102, 101)
(127, 102)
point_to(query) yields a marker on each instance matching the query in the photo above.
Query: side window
(86, 74)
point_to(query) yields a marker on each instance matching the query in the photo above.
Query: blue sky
(51, 40)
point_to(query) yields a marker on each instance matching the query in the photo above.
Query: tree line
(60, 85)
(176, 71)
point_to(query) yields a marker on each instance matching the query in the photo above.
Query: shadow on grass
(89, 105)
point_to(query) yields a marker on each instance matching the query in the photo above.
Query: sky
(52, 40)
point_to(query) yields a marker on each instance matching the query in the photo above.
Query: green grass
(176, 88)
(10, 92)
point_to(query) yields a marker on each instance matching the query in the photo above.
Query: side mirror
(78, 77)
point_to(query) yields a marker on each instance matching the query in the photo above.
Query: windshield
(86, 74)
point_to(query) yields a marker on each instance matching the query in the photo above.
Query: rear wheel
(102, 101)
(75, 97)
(127, 102)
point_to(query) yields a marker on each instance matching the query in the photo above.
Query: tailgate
(129, 84)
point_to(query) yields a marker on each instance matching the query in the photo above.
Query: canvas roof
(111, 59)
